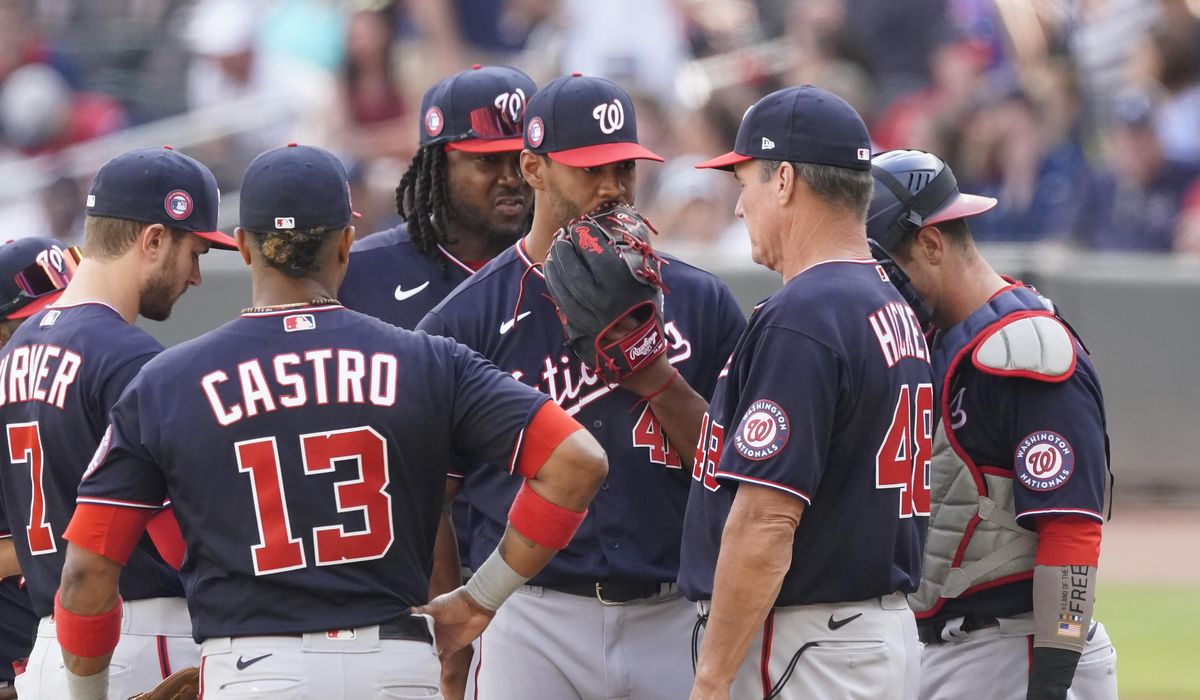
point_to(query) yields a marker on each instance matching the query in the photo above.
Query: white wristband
(494, 582)
(93, 687)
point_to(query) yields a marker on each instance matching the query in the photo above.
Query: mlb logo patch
(299, 322)
(285, 222)
(178, 205)
(340, 634)
(864, 154)
(49, 319)
(91, 200)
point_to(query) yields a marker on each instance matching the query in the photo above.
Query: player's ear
(153, 240)
(784, 182)
(345, 240)
(531, 167)
(930, 245)
(243, 244)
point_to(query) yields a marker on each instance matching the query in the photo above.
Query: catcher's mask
(915, 189)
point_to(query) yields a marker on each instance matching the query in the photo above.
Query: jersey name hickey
(899, 333)
(38, 373)
(342, 375)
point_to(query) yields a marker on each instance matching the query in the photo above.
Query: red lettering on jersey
(366, 494)
(902, 461)
(648, 433)
(708, 453)
(25, 447)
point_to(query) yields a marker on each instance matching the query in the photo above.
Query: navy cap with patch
(159, 186)
(584, 122)
(295, 187)
(481, 110)
(803, 124)
(34, 272)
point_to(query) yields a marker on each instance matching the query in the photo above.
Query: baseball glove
(181, 685)
(602, 270)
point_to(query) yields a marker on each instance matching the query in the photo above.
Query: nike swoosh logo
(838, 624)
(402, 293)
(242, 665)
(507, 325)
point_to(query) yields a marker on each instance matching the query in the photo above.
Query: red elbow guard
(541, 521)
(87, 635)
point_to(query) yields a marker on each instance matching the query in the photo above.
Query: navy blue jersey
(828, 397)
(633, 526)
(60, 374)
(305, 453)
(1048, 436)
(18, 625)
(390, 279)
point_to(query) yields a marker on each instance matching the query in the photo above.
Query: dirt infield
(1144, 543)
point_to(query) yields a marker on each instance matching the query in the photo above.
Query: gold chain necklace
(318, 301)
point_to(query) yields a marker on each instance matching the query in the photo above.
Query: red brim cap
(603, 154)
(725, 162)
(35, 306)
(960, 207)
(218, 239)
(487, 145)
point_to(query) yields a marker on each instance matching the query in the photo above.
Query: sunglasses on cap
(50, 272)
(503, 122)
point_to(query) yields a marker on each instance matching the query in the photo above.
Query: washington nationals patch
(763, 432)
(1044, 460)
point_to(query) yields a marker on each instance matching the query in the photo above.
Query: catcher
(644, 343)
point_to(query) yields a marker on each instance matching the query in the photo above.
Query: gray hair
(841, 187)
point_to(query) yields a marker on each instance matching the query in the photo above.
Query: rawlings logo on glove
(605, 280)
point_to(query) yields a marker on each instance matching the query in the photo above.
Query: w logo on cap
(610, 116)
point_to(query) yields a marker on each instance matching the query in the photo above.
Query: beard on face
(565, 209)
(472, 219)
(162, 290)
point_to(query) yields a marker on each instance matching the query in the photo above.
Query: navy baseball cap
(295, 188)
(481, 110)
(584, 122)
(159, 186)
(33, 274)
(802, 124)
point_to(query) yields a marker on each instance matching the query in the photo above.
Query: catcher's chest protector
(973, 537)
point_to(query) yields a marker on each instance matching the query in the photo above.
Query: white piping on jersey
(529, 263)
(296, 310)
(83, 303)
(857, 261)
(456, 261)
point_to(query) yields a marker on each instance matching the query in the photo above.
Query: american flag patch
(299, 322)
(1069, 625)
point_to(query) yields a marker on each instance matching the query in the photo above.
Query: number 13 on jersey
(278, 549)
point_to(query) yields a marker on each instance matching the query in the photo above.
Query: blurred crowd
(1081, 116)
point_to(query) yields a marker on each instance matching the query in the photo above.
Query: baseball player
(604, 619)
(463, 202)
(809, 499)
(150, 214)
(33, 273)
(462, 199)
(304, 447)
(1020, 462)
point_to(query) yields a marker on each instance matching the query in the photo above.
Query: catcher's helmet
(915, 189)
